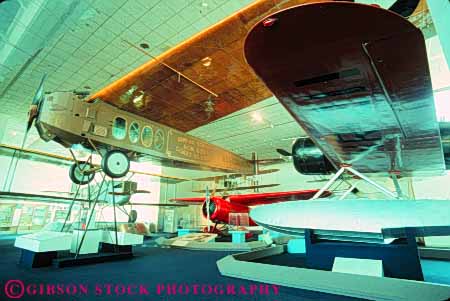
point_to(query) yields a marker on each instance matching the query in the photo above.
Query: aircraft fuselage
(67, 119)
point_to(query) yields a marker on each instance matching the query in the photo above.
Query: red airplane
(221, 207)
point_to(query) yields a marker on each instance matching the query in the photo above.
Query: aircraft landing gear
(80, 173)
(115, 163)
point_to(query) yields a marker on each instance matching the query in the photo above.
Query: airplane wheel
(115, 163)
(76, 173)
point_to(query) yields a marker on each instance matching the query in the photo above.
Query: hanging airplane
(365, 107)
(135, 117)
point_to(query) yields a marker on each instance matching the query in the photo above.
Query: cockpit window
(147, 136)
(134, 132)
(119, 130)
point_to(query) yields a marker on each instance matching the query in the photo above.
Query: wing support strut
(348, 168)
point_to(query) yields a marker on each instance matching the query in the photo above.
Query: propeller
(35, 104)
(32, 114)
(208, 200)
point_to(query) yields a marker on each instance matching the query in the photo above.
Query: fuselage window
(119, 130)
(147, 136)
(134, 132)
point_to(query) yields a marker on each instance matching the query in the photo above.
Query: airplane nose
(211, 209)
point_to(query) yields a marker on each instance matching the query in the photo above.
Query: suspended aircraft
(134, 117)
(366, 107)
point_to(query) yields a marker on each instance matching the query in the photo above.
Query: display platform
(434, 253)
(44, 241)
(45, 248)
(41, 248)
(264, 266)
(108, 253)
(206, 241)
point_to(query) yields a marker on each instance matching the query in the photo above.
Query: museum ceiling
(90, 44)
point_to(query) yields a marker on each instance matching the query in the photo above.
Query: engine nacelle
(309, 159)
(220, 209)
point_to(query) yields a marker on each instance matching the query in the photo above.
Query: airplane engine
(220, 209)
(309, 159)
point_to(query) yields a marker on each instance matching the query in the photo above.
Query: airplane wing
(51, 199)
(362, 92)
(193, 201)
(254, 199)
(239, 188)
(212, 59)
(235, 175)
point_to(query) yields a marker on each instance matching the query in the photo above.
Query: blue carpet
(151, 267)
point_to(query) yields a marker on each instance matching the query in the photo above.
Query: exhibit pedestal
(182, 232)
(91, 259)
(369, 267)
(296, 246)
(31, 259)
(92, 239)
(238, 237)
(400, 259)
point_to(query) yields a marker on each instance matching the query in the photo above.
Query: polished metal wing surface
(356, 78)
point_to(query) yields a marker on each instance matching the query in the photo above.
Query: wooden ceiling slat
(181, 104)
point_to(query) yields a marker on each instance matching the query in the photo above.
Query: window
(119, 130)
(159, 139)
(134, 132)
(147, 136)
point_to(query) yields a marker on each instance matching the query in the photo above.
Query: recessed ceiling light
(257, 117)
(206, 61)
(204, 4)
(144, 45)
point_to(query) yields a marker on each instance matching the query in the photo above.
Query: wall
(37, 177)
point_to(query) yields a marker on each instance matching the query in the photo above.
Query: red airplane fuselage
(221, 207)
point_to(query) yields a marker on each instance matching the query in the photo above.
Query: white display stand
(368, 267)
(123, 238)
(91, 241)
(437, 241)
(45, 241)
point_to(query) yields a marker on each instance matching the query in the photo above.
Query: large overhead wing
(356, 78)
(213, 59)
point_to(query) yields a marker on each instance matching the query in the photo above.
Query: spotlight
(257, 117)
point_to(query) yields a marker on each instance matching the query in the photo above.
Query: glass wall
(36, 193)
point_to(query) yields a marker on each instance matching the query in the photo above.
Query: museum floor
(153, 266)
